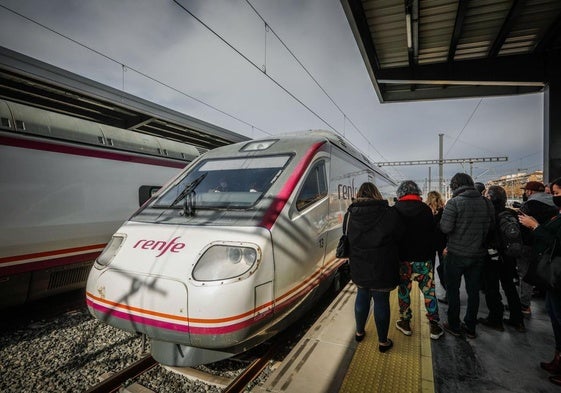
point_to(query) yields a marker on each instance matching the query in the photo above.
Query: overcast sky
(157, 50)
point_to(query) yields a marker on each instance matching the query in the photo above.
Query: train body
(67, 185)
(234, 249)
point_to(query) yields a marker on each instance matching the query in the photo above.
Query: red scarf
(410, 197)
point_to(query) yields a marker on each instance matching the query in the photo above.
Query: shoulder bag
(343, 247)
(547, 273)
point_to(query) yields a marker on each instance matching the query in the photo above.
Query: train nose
(141, 303)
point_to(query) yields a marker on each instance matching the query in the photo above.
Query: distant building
(513, 183)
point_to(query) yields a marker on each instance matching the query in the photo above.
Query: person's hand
(527, 221)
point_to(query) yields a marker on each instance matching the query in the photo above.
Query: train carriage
(234, 249)
(67, 185)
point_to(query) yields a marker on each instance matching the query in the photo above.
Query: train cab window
(225, 183)
(314, 188)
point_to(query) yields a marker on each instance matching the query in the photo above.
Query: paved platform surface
(328, 359)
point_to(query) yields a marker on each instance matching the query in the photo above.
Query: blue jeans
(553, 308)
(455, 267)
(381, 311)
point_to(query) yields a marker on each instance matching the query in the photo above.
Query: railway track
(115, 381)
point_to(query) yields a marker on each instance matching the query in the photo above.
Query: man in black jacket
(466, 220)
(416, 250)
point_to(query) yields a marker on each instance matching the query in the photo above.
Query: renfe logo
(160, 245)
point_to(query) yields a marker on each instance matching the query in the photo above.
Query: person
(545, 234)
(416, 253)
(222, 185)
(373, 228)
(436, 204)
(480, 187)
(531, 188)
(499, 268)
(539, 205)
(466, 220)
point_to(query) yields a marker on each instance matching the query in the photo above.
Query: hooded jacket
(418, 242)
(373, 232)
(466, 220)
(540, 206)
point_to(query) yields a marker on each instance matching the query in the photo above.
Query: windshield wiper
(187, 194)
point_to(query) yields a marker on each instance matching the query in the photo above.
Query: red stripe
(280, 201)
(49, 263)
(88, 152)
(203, 330)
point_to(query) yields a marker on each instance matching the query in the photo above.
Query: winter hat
(534, 186)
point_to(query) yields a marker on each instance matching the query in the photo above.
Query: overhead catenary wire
(254, 64)
(128, 67)
(465, 125)
(345, 116)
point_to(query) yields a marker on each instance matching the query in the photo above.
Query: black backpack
(510, 234)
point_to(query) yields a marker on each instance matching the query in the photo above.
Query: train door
(300, 239)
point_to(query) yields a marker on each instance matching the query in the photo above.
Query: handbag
(343, 248)
(547, 270)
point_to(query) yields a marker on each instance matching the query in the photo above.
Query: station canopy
(438, 49)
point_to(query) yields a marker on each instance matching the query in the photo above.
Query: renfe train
(67, 185)
(234, 249)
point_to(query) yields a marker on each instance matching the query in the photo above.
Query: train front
(194, 269)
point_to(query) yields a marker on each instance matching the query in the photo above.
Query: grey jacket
(467, 220)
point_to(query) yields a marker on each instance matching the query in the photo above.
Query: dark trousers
(495, 271)
(455, 267)
(381, 311)
(553, 308)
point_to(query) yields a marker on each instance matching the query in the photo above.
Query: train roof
(26, 120)
(305, 138)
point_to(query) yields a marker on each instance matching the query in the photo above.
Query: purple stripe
(90, 152)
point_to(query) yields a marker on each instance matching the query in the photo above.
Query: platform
(328, 359)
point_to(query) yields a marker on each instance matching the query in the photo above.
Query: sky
(218, 62)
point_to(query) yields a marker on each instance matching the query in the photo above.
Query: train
(67, 185)
(234, 249)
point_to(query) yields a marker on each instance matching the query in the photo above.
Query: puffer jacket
(373, 231)
(467, 220)
(418, 243)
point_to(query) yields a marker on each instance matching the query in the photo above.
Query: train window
(6, 122)
(314, 188)
(20, 125)
(225, 183)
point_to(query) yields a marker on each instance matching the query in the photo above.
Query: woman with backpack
(505, 238)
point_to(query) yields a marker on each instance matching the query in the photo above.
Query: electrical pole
(440, 163)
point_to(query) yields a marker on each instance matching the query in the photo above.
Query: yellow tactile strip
(407, 367)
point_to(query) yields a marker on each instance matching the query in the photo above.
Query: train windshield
(224, 183)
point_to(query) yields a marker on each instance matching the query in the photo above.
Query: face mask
(557, 200)
(524, 197)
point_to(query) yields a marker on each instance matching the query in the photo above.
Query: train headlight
(222, 262)
(110, 250)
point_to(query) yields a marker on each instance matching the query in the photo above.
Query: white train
(67, 185)
(234, 249)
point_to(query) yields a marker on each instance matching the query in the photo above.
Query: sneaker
(469, 333)
(449, 329)
(404, 326)
(519, 326)
(435, 330)
(527, 311)
(498, 326)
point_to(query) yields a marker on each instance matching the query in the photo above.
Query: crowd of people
(473, 235)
